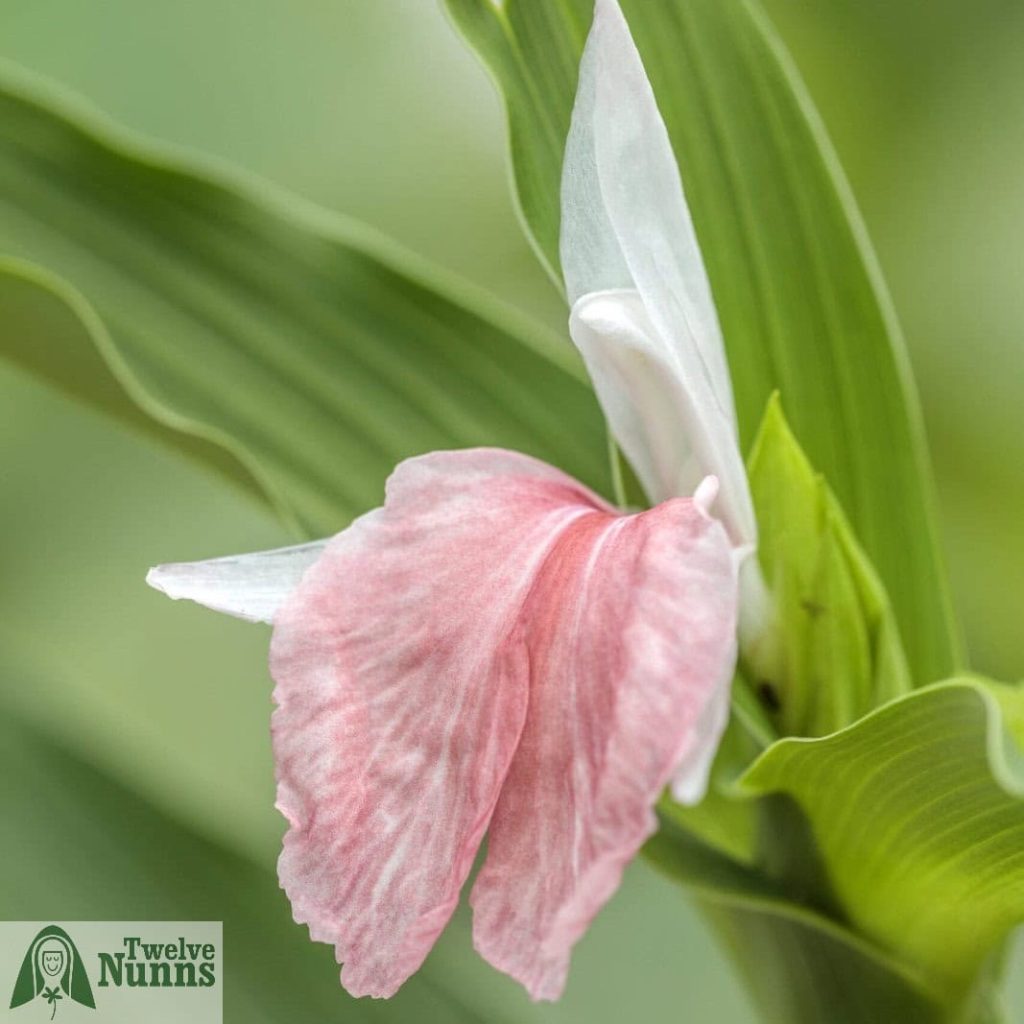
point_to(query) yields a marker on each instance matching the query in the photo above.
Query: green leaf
(314, 354)
(801, 967)
(798, 291)
(755, 874)
(49, 330)
(835, 651)
(802, 972)
(917, 815)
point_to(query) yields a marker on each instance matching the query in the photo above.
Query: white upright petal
(251, 587)
(662, 413)
(627, 233)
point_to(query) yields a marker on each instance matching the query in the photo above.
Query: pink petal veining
(631, 632)
(495, 636)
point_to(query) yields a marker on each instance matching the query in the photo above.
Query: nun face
(53, 961)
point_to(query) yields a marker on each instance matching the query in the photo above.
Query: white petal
(693, 773)
(252, 586)
(626, 227)
(660, 408)
(624, 209)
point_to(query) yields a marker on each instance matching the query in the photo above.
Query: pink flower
(498, 650)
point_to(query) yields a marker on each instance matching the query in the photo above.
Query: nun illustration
(52, 970)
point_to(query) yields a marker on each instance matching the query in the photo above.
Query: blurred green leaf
(51, 331)
(798, 290)
(916, 811)
(314, 354)
(836, 652)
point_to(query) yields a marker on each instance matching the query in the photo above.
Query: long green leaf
(918, 815)
(50, 330)
(313, 353)
(798, 290)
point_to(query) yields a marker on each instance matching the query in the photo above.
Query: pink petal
(405, 662)
(401, 700)
(630, 633)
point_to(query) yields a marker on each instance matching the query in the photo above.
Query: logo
(111, 972)
(52, 970)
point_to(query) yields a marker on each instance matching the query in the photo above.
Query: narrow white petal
(590, 249)
(626, 229)
(625, 218)
(251, 587)
(660, 408)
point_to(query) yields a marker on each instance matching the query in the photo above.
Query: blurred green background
(134, 747)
